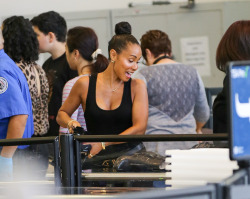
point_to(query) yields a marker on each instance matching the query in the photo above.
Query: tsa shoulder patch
(3, 85)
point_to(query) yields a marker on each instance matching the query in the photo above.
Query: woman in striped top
(84, 56)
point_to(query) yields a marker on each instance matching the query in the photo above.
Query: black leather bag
(104, 161)
(140, 162)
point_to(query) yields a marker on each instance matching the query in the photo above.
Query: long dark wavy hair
(20, 41)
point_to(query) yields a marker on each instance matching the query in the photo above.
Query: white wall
(35, 7)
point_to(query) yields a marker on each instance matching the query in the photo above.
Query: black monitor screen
(239, 110)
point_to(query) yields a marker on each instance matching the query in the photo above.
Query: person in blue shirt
(16, 119)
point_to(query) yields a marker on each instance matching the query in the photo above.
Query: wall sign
(195, 52)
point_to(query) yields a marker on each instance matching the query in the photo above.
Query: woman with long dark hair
(113, 102)
(83, 55)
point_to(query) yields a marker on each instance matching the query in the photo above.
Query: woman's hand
(96, 147)
(72, 124)
(198, 131)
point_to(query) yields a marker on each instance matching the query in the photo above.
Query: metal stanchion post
(57, 171)
(67, 160)
(78, 163)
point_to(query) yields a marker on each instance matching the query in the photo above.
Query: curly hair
(51, 22)
(20, 40)
(157, 42)
(234, 45)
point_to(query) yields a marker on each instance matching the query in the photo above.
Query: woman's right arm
(66, 90)
(75, 98)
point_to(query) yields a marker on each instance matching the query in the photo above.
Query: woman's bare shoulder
(83, 81)
(138, 84)
(138, 88)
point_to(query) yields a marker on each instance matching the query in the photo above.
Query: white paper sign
(195, 52)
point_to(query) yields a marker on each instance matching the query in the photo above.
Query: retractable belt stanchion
(78, 163)
(57, 170)
(67, 160)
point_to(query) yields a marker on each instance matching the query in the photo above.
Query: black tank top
(108, 122)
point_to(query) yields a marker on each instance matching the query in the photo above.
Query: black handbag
(145, 161)
(104, 161)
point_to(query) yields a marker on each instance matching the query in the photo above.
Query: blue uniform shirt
(14, 96)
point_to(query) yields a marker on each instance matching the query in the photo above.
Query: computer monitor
(239, 110)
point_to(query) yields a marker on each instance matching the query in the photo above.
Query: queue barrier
(40, 140)
(67, 170)
(72, 174)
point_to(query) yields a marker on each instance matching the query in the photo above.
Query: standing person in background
(177, 99)
(51, 30)
(16, 119)
(22, 47)
(113, 103)
(84, 56)
(234, 46)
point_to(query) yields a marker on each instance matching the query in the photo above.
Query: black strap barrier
(28, 141)
(133, 138)
(152, 138)
(39, 140)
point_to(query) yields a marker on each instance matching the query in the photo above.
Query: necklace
(113, 90)
(160, 58)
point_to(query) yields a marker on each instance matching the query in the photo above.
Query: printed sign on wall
(195, 52)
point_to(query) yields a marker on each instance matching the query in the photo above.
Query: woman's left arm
(139, 108)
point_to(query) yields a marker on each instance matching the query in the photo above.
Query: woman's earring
(112, 61)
